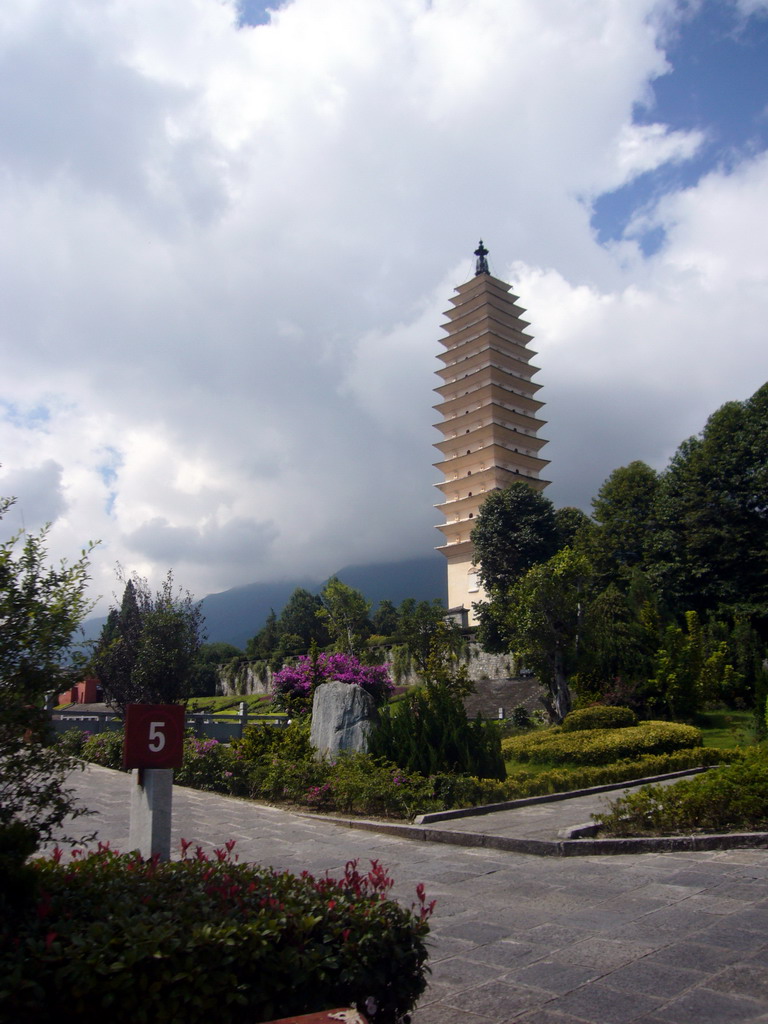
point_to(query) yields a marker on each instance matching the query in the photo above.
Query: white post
(151, 796)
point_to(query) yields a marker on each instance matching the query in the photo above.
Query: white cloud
(227, 252)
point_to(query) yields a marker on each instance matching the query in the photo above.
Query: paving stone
(655, 978)
(552, 976)
(443, 946)
(709, 903)
(746, 979)
(602, 953)
(605, 1005)
(554, 935)
(506, 953)
(459, 972)
(511, 924)
(731, 935)
(496, 999)
(703, 1006)
(477, 931)
(545, 1016)
(440, 1014)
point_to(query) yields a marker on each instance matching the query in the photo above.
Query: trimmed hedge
(277, 765)
(732, 797)
(600, 746)
(112, 937)
(521, 783)
(599, 716)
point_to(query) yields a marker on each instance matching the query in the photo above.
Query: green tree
(545, 612)
(265, 642)
(384, 620)
(41, 608)
(300, 618)
(148, 648)
(205, 671)
(429, 732)
(515, 529)
(345, 613)
(711, 549)
(624, 510)
(619, 637)
(419, 626)
(574, 527)
(691, 668)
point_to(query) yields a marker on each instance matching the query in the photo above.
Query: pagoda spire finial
(481, 265)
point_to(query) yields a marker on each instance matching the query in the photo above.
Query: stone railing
(223, 727)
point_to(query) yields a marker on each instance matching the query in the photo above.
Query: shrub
(294, 685)
(521, 717)
(117, 938)
(105, 748)
(72, 741)
(732, 797)
(599, 716)
(429, 732)
(211, 765)
(525, 782)
(359, 783)
(260, 741)
(600, 746)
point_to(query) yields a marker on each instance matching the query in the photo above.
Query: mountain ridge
(233, 616)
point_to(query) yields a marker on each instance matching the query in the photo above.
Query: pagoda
(490, 419)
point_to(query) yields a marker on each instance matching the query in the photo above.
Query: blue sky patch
(35, 418)
(719, 85)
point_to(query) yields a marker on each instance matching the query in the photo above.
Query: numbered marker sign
(154, 736)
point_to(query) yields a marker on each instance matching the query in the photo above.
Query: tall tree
(300, 618)
(711, 551)
(624, 510)
(41, 607)
(419, 625)
(345, 614)
(515, 529)
(384, 620)
(147, 650)
(545, 612)
(574, 527)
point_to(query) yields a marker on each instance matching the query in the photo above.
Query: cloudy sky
(227, 235)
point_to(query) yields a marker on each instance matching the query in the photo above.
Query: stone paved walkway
(660, 938)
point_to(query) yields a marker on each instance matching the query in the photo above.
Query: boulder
(342, 717)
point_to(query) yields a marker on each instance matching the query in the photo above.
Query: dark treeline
(660, 600)
(341, 619)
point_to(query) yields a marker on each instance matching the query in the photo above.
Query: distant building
(87, 691)
(489, 421)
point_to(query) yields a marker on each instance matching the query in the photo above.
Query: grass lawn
(726, 729)
(258, 703)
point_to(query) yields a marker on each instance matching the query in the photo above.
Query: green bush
(361, 784)
(214, 766)
(600, 746)
(599, 716)
(525, 782)
(72, 742)
(732, 797)
(429, 732)
(112, 937)
(277, 764)
(105, 748)
(521, 717)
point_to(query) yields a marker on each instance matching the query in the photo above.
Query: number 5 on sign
(154, 736)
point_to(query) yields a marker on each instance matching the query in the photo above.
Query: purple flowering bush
(294, 685)
(211, 765)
